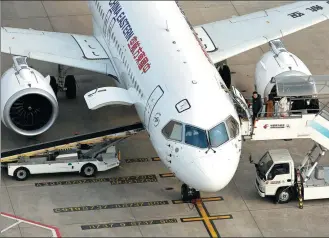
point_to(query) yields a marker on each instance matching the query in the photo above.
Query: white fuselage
(177, 68)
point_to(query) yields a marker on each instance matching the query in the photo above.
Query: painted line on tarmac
(156, 159)
(110, 206)
(207, 220)
(203, 212)
(151, 178)
(136, 160)
(129, 223)
(206, 199)
(167, 175)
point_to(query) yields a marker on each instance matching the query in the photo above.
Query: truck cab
(275, 175)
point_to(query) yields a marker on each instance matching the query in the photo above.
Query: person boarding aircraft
(161, 65)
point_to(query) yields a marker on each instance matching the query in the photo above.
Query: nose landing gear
(188, 194)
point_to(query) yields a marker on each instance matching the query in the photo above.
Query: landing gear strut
(188, 194)
(65, 83)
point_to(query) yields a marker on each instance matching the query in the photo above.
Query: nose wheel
(188, 194)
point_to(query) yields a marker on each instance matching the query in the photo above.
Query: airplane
(164, 67)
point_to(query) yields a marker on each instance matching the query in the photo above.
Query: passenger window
(232, 127)
(196, 137)
(173, 131)
(218, 135)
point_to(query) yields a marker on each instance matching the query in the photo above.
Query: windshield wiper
(209, 145)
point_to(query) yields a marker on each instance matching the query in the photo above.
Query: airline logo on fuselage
(134, 45)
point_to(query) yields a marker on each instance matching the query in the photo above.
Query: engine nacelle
(277, 62)
(28, 103)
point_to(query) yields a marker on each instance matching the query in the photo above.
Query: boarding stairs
(313, 126)
(290, 124)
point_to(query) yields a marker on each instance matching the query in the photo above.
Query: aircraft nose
(217, 171)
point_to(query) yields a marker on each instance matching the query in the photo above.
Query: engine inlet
(31, 112)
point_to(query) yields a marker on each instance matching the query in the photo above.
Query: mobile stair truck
(276, 173)
(277, 176)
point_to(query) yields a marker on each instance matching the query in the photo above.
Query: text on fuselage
(134, 45)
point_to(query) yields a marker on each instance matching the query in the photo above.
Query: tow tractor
(277, 176)
(86, 154)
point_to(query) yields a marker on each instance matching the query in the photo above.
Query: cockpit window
(218, 135)
(232, 126)
(173, 131)
(196, 137)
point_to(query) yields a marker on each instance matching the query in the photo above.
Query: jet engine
(278, 62)
(28, 102)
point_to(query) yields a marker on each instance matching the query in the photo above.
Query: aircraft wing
(226, 38)
(79, 51)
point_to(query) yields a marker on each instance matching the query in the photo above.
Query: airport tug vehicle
(277, 176)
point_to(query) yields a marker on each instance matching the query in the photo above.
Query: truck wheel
(21, 174)
(88, 170)
(283, 195)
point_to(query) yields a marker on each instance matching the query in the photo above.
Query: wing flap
(90, 47)
(105, 96)
(61, 48)
(238, 34)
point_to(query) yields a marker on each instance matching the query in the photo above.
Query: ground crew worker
(270, 106)
(256, 105)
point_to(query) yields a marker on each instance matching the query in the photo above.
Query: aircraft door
(243, 110)
(151, 103)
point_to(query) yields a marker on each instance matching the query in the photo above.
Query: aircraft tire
(53, 84)
(71, 87)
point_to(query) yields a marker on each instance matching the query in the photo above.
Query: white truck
(276, 175)
(86, 161)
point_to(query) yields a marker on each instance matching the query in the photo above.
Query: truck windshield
(265, 164)
(195, 136)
